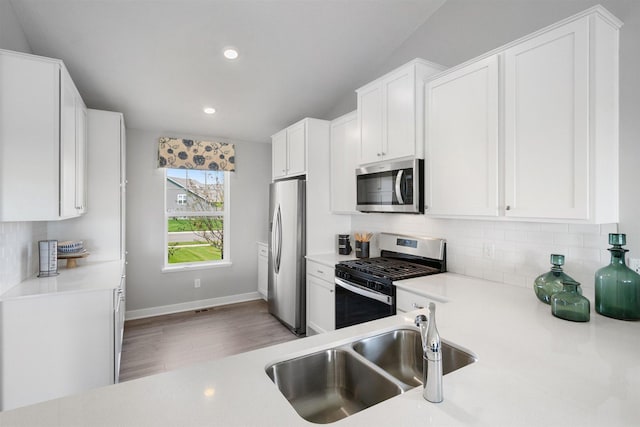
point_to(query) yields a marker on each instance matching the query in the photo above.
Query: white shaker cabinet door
(321, 308)
(399, 138)
(67, 147)
(370, 123)
(279, 154)
(547, 125)
(344, 160)
(462, 141)
(296, 146)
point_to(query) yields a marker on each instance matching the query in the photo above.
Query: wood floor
(164, 343)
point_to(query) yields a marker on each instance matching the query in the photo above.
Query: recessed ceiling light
(230, 53)
(209, 110)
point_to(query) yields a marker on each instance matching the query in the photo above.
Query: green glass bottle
(568, 304)
(617, 286)
(550, 282)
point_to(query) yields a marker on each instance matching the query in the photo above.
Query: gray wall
(463, 29)
(147, 285)
(11, 35)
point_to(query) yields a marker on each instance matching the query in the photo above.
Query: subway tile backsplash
(505, 251)
(18, 251)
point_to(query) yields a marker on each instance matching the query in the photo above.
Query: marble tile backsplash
(18, 251)
(510, 252)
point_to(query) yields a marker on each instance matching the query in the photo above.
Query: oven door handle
(386, 299)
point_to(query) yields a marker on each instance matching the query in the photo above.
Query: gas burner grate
(390, 268)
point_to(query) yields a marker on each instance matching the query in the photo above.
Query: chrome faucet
(431, 356)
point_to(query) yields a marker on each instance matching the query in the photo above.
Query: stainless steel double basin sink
(332, 384)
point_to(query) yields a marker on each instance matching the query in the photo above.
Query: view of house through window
(195, 215)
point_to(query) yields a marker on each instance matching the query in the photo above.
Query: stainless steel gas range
(364, 287)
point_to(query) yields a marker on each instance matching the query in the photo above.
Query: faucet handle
(420, 318)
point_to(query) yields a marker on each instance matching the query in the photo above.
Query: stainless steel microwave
(396, 186)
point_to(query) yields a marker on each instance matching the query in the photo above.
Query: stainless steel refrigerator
(287, 245)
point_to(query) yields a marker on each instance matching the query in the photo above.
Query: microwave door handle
(398, 187)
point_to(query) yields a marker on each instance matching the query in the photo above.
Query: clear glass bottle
(569, 304)
(617, 286)
(549, 283)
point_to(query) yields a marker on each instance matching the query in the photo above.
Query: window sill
(189, 267)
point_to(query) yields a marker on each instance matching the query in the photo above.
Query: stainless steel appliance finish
(431, 357)
(335, 383)
(400, 353)
(286, 283)
(330, 385)
(364, 287)
(396, 186)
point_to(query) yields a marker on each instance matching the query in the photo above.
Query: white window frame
(225, 213)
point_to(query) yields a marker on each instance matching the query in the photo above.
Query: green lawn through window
(193, 254)
(185, 225)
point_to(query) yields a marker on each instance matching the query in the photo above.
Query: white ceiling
(159, 62)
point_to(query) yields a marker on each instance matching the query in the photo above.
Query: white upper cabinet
(42, 140)
(289, 151)
(279, 154)
(390, 113)
(102, 227)
(370, 123)
(547, 125)
(462, 141)
(546, 148)
(345, 142)
(297, 148)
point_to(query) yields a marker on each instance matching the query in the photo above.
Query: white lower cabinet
(321, 303)
(57, 344)
(263, 266)
(119, 302)
(408, 301)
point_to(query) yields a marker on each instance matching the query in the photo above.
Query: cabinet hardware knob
(320, 271)
(508, 208)
(383, 153)
(378, 154)
(426, 207)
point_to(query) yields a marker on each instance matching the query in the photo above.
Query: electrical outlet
(634, 264)
(196, 283)
(489, 250)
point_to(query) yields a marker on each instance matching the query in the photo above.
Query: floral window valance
(190, 154)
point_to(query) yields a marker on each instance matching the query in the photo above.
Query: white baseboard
(191, 305)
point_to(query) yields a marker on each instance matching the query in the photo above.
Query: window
(196, 217)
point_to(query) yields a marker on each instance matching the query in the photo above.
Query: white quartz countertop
(84, 277)
(330, 259)
(533, 369)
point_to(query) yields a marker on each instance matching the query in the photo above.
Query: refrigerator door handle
(276, 238)
(279, 238)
